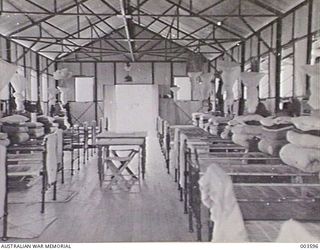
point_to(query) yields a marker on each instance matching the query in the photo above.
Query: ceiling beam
(127, 29)
(87, 13)
(44, 19)
(207, 20)
(266, 7)
(211, 6)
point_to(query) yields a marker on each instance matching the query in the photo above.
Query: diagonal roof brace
(126, 27)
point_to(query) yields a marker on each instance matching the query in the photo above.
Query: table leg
(143, 159)
(100, 164)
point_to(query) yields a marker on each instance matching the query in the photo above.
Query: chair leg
(54, 191)
(72, 160)
(190, 220)
(78, 157)
(43, 193)
(62, 172)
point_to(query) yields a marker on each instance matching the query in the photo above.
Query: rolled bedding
(274, 120)
(304, 140)
(61, 122)
(14, 119)
(242, 140)
(246, 119)
(305, 159)
(36, 132)
(306, 123)
(271, 147)
(247, 129)
(3, 136)
(275, 134)
(4, 142)
(34, 124)
(14, 128)
(213, 129)
(226, 134)
(17, 138)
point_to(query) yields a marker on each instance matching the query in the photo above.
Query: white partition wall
(131, 107)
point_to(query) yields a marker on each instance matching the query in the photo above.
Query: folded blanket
(271, 147)
(306, 123)
(303, 140)
(294, 232)
(306, 159)
(217, 194)
(19, 137)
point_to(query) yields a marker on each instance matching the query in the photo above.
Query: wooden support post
(243, 59)
(95, 91)
(278, 65)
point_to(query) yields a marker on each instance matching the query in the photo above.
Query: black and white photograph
(159, 121)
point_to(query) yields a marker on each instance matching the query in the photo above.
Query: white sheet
(2, 178)
(7, 71)
(59, 138)
(294, 232)
(51, 161)
(217, 194)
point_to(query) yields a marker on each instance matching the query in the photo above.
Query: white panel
(84, 89)
(300, 58)
(4, 93)
(44, 87)
(136, 107)
(33, 86)
(184, 93)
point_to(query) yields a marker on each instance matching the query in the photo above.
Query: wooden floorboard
(97, 215)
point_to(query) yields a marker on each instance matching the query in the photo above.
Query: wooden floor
(96, 215)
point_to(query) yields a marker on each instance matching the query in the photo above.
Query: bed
(34, 160)
(268, 191)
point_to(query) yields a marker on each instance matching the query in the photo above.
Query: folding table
(116, 163)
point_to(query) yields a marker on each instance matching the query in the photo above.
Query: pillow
(14, 119)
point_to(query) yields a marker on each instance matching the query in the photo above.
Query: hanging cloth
(6, 72)
(2, 178)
